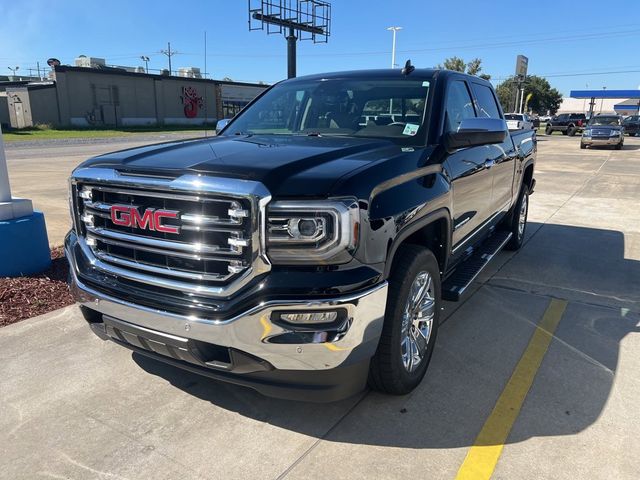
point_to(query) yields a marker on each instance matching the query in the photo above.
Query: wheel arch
(527, 175)
(432, 231)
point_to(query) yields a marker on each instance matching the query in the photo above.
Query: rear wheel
(410, 324)
(548, 130)
(582, 146)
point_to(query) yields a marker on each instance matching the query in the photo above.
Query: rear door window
(486, 101)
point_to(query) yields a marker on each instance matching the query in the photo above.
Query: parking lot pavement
(75, 407)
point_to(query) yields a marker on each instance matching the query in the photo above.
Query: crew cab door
(470, 178)
(499, 158)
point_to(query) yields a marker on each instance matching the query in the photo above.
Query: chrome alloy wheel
(417, 321)
(522, 220)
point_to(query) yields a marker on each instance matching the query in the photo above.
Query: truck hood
(286, 165)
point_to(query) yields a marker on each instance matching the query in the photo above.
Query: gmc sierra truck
(308, 248)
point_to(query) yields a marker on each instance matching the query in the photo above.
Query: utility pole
(393, 45)
(169, 54)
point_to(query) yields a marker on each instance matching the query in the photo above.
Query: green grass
(45, 133)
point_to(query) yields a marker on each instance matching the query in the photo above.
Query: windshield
(512, 116)
(391, 109)
(602, 120)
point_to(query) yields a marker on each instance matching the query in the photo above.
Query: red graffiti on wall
(191, 101)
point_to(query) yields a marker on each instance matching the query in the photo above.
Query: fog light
(310, 318)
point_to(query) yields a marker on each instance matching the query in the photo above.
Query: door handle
(489, 163)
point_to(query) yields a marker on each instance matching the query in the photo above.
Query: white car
(518, 121)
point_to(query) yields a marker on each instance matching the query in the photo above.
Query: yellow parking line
(483, 456)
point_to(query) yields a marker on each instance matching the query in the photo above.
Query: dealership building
(115, 97)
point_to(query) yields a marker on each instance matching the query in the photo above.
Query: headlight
(586, 133)
(313, 231)
(615, 133)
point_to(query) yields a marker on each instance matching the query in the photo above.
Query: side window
(487, 105)
(458, 105)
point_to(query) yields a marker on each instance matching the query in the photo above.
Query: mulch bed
(26, 297)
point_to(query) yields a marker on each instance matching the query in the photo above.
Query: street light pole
(145, 59)
(14, 70)
(393, 45)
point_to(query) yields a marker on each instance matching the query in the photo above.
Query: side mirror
(474, 132)
(221, 124)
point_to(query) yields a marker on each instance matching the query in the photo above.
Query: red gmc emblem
(151, 219)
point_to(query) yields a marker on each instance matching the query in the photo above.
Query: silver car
(603, 130)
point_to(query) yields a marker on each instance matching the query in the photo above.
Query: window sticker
(410, 129)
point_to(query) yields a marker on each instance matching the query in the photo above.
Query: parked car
(567, 123)
(299, 252)
(632, 125)
(603, 130)
(536, 121)
(518, 121)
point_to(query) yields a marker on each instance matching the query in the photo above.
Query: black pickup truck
(308, 248)
(567, 123)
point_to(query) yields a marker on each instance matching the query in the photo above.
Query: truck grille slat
(165, 244)
(190, 275)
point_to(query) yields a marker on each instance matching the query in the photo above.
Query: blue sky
(569, 42)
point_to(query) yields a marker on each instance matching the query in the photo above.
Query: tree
(474, 67)
(544, 97)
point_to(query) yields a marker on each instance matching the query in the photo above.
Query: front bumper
(596, 141)
(247, 348)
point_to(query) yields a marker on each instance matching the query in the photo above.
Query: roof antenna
(408, 68)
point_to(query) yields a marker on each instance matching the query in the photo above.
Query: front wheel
(517, 220)
(410, 323)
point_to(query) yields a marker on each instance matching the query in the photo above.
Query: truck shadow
(478, 347)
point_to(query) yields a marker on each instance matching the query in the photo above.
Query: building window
(230, 108)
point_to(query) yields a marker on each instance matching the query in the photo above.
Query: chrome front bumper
(601, 141)
(253, 331)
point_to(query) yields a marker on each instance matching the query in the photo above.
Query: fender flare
(413, 228)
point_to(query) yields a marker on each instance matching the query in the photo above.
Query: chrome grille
(216, 238)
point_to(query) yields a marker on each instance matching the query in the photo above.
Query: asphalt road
(76, 407)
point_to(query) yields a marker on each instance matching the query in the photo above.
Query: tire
(571, 131)
(548, 131)
(391, 370)
(515, 219)
(582, 146)
(619, 146)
